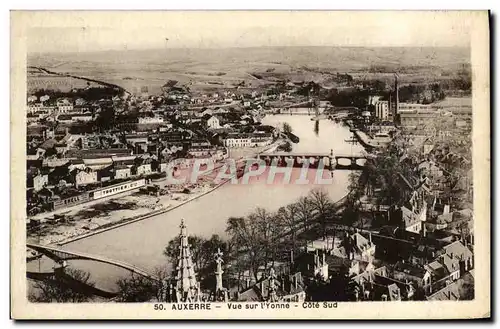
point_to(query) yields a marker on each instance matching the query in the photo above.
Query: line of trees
(254, 244)
(89, 93)
(57, 290)
(264, 237)
(138, 288)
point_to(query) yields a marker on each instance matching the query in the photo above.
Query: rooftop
(410, 269)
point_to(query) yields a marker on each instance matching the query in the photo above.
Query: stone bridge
(315, 160)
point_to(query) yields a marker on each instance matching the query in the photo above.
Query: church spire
(187, 287)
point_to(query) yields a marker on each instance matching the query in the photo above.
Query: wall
(71, 201)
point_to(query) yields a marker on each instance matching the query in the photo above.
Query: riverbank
(139, 218)
(363, 138)
(89, 219)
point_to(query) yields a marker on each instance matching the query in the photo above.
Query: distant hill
(331, 57)
(133, 69)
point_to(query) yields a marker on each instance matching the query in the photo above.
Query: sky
(94, 31)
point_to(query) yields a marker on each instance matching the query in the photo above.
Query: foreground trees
(264, 237)
(59, 290)
(137, 288)
(388, 178)
(322, 204)
(255, 242)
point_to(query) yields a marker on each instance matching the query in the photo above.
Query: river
(142, 243)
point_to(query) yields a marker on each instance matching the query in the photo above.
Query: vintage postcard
(250, 165)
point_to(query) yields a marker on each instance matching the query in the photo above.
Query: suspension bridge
(60, 255)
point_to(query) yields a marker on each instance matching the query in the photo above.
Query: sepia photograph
(260, 164)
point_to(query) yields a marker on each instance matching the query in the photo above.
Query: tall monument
(273, 297)
(221, 293)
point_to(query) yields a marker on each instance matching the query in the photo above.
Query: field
(211, 69)
(37, 80)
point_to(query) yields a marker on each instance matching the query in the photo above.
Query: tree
(202, 251)
(268, 227)
(304, 210)
(357, 189)
(287, 129)
(136, 288)
(243, 234)
(289, 218)
(61, 288)
(322, 203)
(387, 173)
(255, 238)
(106, 119)
(208, 249)
(195, 243)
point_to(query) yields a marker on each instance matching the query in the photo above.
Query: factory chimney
(396, 100)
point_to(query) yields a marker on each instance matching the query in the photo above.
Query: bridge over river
(61, 255)
(315, 160)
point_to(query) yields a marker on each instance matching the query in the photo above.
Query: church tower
(185, 288)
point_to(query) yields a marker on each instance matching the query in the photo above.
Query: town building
(376, 285)
(382, 110)
(74, 117)
(118, 188)
(410, 220)
(122, 172)
(444, 271)
(83, 177)
(40, 108)
(457, 250)
(237, 140)
(412, 116)
(97, 163)
(460, 107)
(83, 117)
(80, 109)
(40, 181)
(150, 120)
(136, 138)
(385, 127)
(418, 275)
(142, 169)
(275, 288)
(64, 106)
(373, 100)
(359, 247)
(213, 122)
(354, 247)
